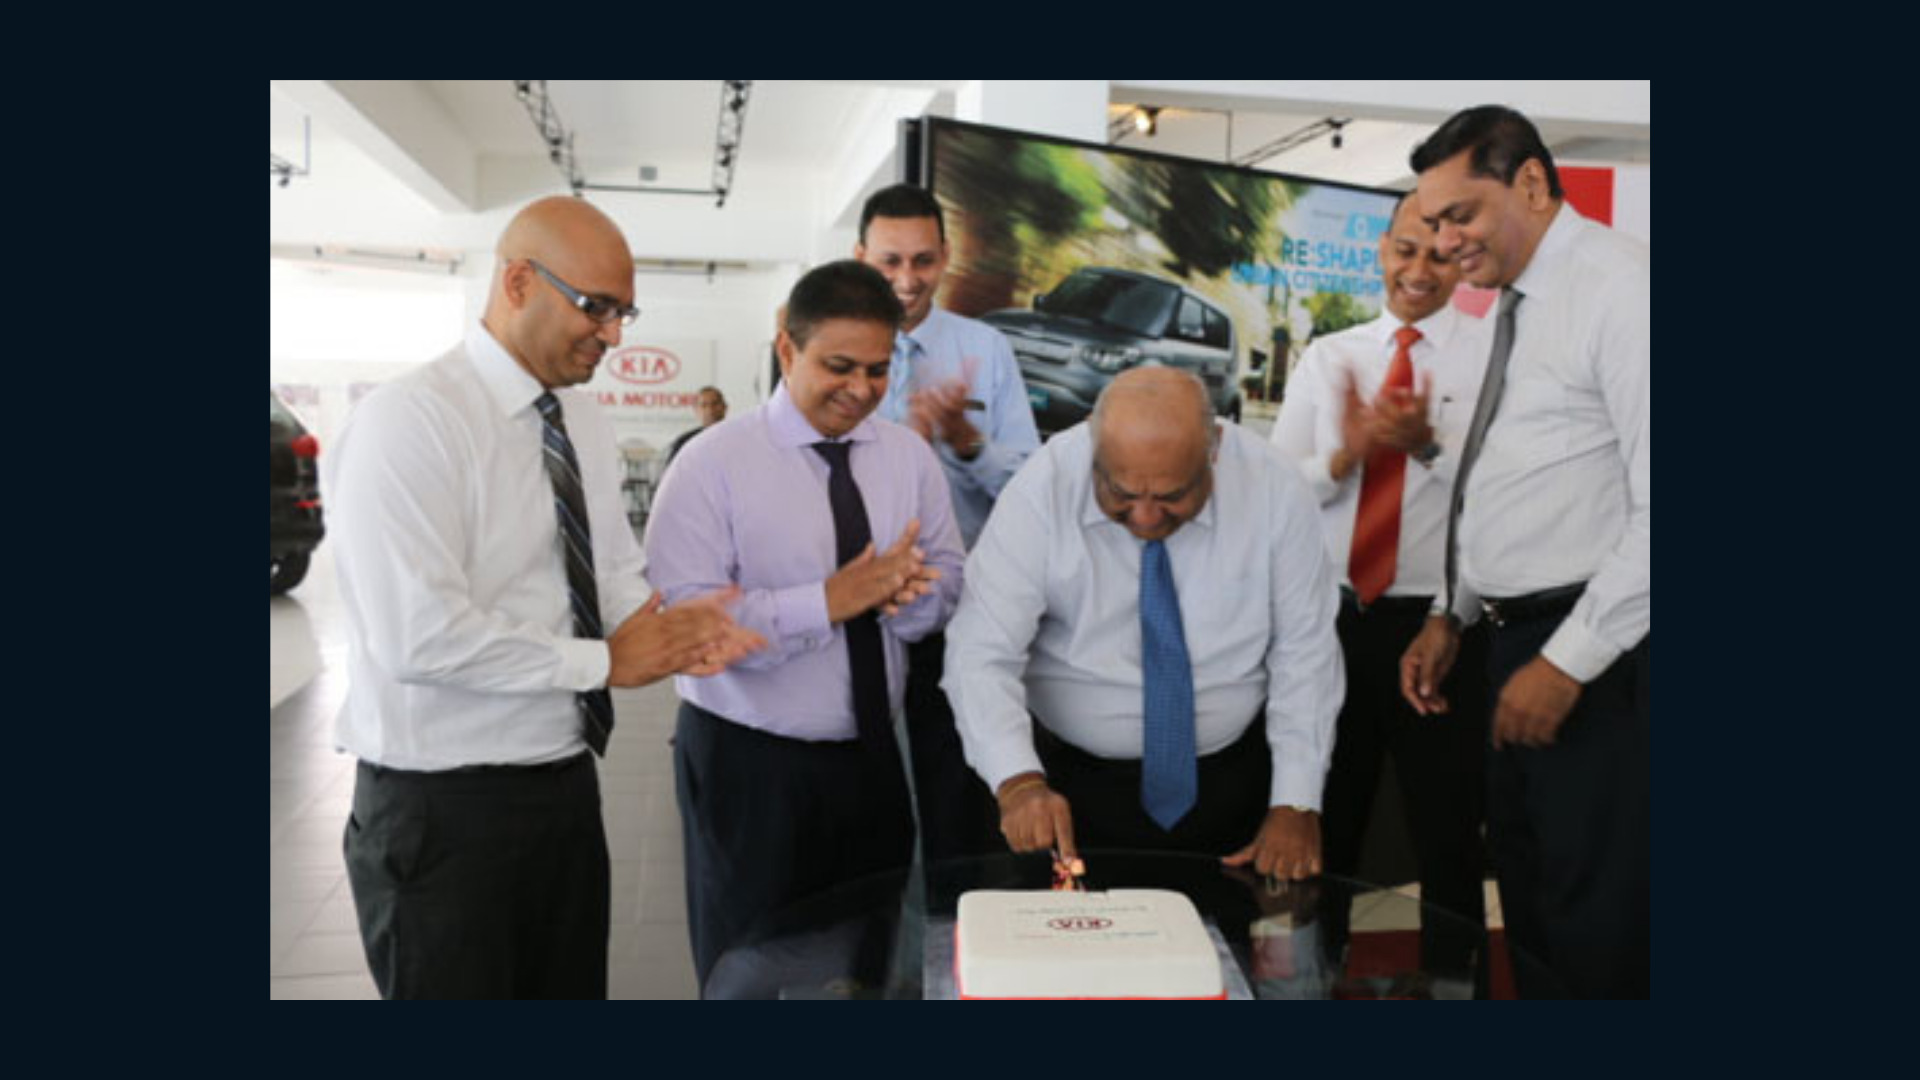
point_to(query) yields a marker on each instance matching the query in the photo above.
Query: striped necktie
(570, 503)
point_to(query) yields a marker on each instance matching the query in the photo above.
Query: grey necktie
(1491, 387)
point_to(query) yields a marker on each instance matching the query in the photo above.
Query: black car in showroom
(294, 472)
(1101, 321)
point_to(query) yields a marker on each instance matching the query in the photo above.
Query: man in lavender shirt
(787, 766)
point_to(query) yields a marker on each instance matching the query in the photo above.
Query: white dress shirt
(1050, 619)
(1563, 490)
(442, 518)
(1453, 349)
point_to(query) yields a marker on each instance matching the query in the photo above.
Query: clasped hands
(888, 580)
(697, 637)
(1395, 420)
(939, 413)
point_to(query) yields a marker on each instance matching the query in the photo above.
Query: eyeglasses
(598, 308)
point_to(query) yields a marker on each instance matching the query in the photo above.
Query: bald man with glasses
(493, 595)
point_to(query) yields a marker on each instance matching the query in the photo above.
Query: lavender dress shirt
(746, 503)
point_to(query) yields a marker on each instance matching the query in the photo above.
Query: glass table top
(891, 935)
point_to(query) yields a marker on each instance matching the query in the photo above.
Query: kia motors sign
(649, 389)
(643, 365)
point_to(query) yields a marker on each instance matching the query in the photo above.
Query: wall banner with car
(1093, 259)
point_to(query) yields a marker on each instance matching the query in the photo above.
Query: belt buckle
(1492, 610)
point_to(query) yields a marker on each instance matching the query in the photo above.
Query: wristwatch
(1427, 454)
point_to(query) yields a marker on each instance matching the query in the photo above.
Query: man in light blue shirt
(1059, 679)
(955, 381)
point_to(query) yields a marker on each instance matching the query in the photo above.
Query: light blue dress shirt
(938, 351)
(1050, 618)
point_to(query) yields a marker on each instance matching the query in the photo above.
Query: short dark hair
(846, 289)
(902, 201)
(1501, 140)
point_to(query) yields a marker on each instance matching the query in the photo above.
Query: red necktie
(1376, 526)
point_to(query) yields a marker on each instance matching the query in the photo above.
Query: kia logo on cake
(643, 365)
(1080, 922)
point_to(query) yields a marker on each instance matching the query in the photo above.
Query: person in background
(955, 381)
(1375, 417)
(711, 408)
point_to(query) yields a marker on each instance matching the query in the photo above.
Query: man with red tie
(1375, 416)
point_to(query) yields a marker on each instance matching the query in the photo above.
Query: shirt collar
(923, 337)
(1549, 258)
(790, 428)
(510, 386)
(1435, 329)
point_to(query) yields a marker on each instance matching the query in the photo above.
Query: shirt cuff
(1575, 650)
(1295, 785)
(584, 664)
(801, 611)
(1005, 763)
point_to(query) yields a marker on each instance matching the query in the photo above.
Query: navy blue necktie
(866, 655)
(570, 503)
(1169, 768)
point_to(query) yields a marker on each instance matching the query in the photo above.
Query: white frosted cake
(1128, 943)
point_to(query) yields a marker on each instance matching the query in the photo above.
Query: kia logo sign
(643, 365)
(1080, 922)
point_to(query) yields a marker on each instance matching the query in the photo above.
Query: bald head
(567, 236)
(1163, 405)
(1153, 436)
(533, 317)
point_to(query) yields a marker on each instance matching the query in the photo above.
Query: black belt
(1395, 604)
(561, 765)
(1547, 603)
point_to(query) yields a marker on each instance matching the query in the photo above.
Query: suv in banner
(1101, 321)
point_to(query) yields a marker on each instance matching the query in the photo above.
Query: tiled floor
(315, 942)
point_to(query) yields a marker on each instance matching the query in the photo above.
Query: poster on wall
(648, 388)
(1094, 259)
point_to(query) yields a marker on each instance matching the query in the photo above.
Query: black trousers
(1440, 762)
(1569, 829)
(486, 883)
(768, 820)
(1105, 796)
(958, 815)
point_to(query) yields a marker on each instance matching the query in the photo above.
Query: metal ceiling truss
(726, 152)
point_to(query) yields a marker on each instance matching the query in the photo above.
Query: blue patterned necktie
(563, 468)
(1169, 768)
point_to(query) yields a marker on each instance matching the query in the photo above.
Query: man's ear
(515, 280)
(1532, 181)
(784, 347)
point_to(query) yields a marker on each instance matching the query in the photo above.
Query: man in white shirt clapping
(493, 594)
(1375, 416)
